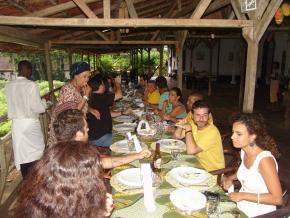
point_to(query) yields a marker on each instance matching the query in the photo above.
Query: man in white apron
(24, 106)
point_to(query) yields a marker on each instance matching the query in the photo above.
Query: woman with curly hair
(66, 182)
(258, 172)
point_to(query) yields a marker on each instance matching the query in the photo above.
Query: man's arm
(111, 162)
(37, 106)
(191, 146)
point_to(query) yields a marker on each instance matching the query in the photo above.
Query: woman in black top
(100, 131)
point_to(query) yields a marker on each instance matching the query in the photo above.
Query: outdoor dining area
(181, 187)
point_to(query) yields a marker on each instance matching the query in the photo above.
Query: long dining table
(129, 202)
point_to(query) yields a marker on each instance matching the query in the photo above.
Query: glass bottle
(156, 166)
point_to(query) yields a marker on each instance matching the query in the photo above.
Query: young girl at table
(258, 172)
(173, 109)
(66, 182)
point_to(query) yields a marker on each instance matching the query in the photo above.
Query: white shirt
(252, 182)
(23, 99)
(24, 105)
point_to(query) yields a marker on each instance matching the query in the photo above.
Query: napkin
(149, 201)
(129, 135)
(137, 144)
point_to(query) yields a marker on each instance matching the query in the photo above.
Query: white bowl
(188, 200)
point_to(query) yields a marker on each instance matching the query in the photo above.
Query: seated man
(162, 86)
(204, 141)
(152, 94)
(142, 85)
(71, 125)
(193, 97)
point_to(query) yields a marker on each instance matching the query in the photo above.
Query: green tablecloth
(133, 205)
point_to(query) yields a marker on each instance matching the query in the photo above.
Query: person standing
(24, 106)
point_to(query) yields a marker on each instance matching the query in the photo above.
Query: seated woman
(173, 109)
(100, 130)
(258, 173)
(66, 182)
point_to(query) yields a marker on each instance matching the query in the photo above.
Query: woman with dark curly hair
(258, 172)
(66, 182)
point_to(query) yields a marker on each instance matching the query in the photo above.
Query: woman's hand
(87, 90)
(236, 196)
(144, 154)
(109, 204)
(166, 117)
(95, 112)
(227, 182)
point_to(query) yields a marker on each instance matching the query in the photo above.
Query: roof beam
(198, 12)
(107, 9)
(85, 8)
(15, 4)
(56, 9)
(123, 23)
(97, 42)
(131, 9)
(19, 36)
(90, 14)
(266, 19)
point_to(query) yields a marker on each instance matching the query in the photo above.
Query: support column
(160, 60)
(49, 70)
(179, 65)
(69, 57)
(251, 71)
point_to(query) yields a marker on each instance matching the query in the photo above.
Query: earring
(252, 144)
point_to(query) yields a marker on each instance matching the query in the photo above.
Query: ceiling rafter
(131, 9)
(122, 23)
(17, 5)
(90, 14)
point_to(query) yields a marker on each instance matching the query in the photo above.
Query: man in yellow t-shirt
(153, 94)
(205, 140)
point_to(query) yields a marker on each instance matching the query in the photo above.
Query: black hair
(24, 63)
(96, 81)
(161, 82)
(200, 104)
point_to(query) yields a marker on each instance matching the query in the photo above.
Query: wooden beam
(261, 7)
(90, 14)
(266, 19)
(18, 41)
(95, 42)
(17, 5)
(56, 9)
(107, 9)
(47, 47)
(19, 37)
(170, 13)
(251, 71)
(131, 9)
(237, 9)
(216, 5)
(122, 23)
(85, 8)
(198, 12)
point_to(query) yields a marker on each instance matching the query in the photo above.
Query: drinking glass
(175, 156)
(131, 145)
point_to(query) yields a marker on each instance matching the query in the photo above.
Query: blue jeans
(104, 141)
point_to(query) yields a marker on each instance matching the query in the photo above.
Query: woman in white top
(258, 173)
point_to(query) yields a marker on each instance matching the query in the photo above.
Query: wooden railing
(9, 187)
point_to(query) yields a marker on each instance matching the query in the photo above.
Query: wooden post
(251, 71)
(142, 64)
(69, 57)
(179, 58)
(149, 67)
(49, 71)
(160, 60)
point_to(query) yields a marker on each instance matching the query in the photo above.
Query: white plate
(124, 119)
(130, 177)
(189, 175)
(166, 145)
(125, 127)
(188, 200)
(123, 148)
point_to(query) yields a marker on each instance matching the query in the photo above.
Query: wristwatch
(86, 97)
